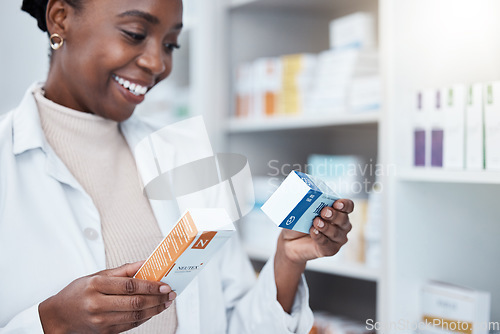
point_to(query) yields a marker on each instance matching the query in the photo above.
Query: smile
(134, 88)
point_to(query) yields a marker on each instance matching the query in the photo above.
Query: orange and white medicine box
(185, 251)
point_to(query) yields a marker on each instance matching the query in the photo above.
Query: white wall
(24, 53)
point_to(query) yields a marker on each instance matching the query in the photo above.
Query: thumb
(126, 270)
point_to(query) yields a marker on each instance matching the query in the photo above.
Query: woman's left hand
(327, 235)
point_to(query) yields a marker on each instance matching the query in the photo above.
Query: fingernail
(167, 304)
(339, 205)
(328, 214)
(316, 231)
(321, 224)
(172, 295)
(164, 289)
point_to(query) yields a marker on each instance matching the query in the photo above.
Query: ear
(56, 17)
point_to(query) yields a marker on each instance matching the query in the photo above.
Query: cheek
(169, 65)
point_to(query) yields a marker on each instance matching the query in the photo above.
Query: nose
(153, 59)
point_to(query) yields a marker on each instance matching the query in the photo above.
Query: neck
(58, 92)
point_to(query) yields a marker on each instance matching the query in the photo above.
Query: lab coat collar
(27, 131)
(28, 135)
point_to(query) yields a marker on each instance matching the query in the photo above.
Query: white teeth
(132, 87)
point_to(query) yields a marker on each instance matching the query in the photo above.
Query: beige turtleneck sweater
(96, 153)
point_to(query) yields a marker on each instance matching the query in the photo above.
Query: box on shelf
(325, 323)
(437, 122)
(297, 76)
(355, 250)
(365, 94)
(185, 251)
(297, 201)
(492, 126)
(454, 127)
(333, 81)
(353, 31)
(336, 73)
(474, 149)
(266, 86)
(374, 228)
(243, 90)
(421, 128)
(449, 308)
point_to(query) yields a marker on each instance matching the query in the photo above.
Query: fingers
(126, 270)
(135, 316)
(128, 286)
(331, 231)
(137, 302)
(325, 245)
(331, 216)
(344, 205)
(129, 320)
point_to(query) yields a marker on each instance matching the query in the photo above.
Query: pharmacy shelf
(309, 6)
(448, 176)
(300, 122)
(328, 265)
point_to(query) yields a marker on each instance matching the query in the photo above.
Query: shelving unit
(236, 125)
(449, 176)
(438, 224)
(271, 28)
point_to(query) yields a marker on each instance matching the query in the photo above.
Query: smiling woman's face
(114, 51)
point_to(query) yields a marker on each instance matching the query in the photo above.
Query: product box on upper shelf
(447, 308)
(297, 76)
(454, 126)
(492, 126)
(421, 155)
(343, 77)
(297, 201)
(437, 122)
(243, 90)
(365, 94)
(266, 86)
(474, 148)
(353, 31)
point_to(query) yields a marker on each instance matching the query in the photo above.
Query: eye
(170, 47)
(136, 37)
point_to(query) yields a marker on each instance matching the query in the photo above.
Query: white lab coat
(50, 235)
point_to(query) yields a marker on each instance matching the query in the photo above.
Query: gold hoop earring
(56, 45)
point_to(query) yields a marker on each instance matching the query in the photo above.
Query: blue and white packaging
(297, 201)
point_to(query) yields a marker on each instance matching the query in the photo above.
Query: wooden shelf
(449, 176)
(325, 265)
(300, 122)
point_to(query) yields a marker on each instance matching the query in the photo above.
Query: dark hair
(37, 9)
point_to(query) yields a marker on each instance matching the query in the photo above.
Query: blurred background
(394, 103)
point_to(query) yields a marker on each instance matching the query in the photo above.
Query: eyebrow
(143, 15)
(147, 17)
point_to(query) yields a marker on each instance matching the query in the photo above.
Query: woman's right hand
(110, 301)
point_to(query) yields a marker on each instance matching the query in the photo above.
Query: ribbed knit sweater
(96, 153)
